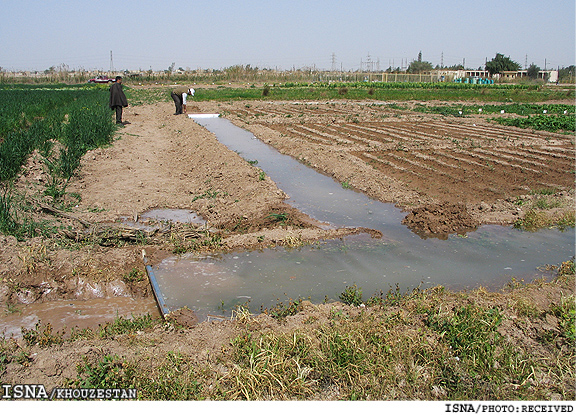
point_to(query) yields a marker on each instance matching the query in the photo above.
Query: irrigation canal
(216, 284)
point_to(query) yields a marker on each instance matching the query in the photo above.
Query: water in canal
(215, 284)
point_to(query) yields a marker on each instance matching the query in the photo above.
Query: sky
(321, 34)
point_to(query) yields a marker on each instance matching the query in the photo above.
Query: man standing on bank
(118, 99)
(179, 95)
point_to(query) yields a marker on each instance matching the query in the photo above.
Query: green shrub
(352, 295)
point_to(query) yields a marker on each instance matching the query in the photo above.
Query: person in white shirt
(179, 95)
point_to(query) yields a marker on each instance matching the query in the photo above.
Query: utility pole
(526, 62)
(369, 64)
(111, 62)
(442, 60)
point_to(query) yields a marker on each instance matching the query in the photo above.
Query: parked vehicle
(101, 79)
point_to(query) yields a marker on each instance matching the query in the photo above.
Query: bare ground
(449, 175)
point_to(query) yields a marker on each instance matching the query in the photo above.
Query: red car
(101, 79)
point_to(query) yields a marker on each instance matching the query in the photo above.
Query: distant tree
(567, 73)
(419, 66)
(501, 63)
(533, 71)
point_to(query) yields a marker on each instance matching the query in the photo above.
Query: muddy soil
(449, 175)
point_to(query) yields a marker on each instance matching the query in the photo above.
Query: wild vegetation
(417, 71)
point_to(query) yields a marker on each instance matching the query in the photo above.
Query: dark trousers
(118, 109)
(178, 102)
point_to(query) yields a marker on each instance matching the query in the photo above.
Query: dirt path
(169, 161)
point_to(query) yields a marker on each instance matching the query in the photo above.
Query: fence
(252, 76)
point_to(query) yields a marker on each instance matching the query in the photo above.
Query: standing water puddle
(68, 314)
(215, 284)
(146, 219)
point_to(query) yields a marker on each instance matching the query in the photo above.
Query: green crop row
(404, 85)
(551, 123)
(548, 117)
(61, 123)
(520, 109)
(405, 91)
(37, 118)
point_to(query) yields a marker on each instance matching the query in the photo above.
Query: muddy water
(216, 284)
(149, 219)
(67, 314)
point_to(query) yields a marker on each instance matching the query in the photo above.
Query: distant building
(449, 75)
(550, 76)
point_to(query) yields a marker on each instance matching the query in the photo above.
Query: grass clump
(134, 276)
(42, 335)
(281, 310)
(565, 311)
(122, 325)
(546, 208)
(280, 218)
(536, 219)
(168, 380)
(109, 372)
(352, 295)
(9, 224)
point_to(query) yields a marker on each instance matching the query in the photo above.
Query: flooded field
(488, 257)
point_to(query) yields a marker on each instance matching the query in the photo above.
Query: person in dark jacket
(179, 95)
(118, 99)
